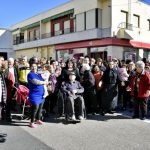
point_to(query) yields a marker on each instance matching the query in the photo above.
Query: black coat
(88, 81)
(110, 76)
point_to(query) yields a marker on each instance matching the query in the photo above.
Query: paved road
(112, 132)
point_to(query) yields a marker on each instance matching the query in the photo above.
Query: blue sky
(147, 1)
(14, 11)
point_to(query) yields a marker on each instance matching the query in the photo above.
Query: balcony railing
(101, 33)
(125, 25)
(16, 42)
(56, 33)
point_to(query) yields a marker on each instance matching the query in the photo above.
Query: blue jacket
(36, 92)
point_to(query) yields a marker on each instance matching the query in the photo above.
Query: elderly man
(11, 78)
(140, 86)
(3, 92)
(73, 91)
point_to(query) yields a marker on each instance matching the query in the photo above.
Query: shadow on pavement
(13, 123)
(106, 117)
(3, 137)
(55, 119)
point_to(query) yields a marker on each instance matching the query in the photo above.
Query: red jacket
(144, 85)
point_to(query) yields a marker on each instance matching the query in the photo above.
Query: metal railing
(56, 33)
(102, 33)
(125, 25)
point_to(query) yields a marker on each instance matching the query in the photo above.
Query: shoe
(143, 118)
(32, 125)
(81, 118)
(110, 112)
(103, 113)
(94, 113)
(61, 115)
(39, 122)
(135, 117)
(2, 140)
(73, 118)
(3, 135)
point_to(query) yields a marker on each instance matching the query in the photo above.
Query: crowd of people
(75, 86)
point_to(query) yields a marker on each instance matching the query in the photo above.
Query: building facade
(6, 48)
(99, 28)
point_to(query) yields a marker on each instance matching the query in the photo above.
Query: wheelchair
(76, 109)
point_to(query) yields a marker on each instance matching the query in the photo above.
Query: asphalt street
(111, 132)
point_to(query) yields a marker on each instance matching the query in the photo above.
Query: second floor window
(124, 19)
(67, 27)
(136, 21)
(57, 29)
(33, 34)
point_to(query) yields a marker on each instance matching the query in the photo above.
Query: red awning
(103, 42)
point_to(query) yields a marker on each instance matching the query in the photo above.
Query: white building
(100, 28)
(6, 44)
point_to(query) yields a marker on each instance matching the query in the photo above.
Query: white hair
(11, 59)
(140, 64)
(86, 66)
(25, 58)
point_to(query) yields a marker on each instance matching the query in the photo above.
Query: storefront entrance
(97, 55)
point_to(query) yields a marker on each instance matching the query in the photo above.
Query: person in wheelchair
(74, 99)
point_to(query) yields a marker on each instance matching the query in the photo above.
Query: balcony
(56, 33)
(127, 31)
(64, 36)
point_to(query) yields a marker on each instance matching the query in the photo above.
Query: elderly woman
(140, 86)
(36, 95)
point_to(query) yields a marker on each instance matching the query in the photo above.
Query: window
(148, 24)
(91, 19)
(67, 27)
(80, 22)
(57, 29)
(124, 19)
(33, 34)
(136, 21)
